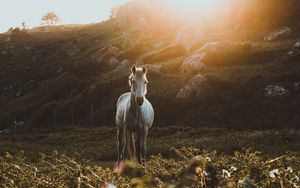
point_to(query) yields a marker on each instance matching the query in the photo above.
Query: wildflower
(208, 159)
(226, 173)
(274, 173)
(233, 168)
(247, 182)
(289, 169)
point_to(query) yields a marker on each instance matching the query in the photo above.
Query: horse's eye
(146, 82)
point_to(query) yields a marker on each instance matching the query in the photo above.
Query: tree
(50, 19)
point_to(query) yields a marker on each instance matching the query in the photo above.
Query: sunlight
(199, 7)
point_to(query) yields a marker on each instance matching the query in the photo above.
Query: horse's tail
(132, 147)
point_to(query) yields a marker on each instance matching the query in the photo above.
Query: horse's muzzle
(139, 100)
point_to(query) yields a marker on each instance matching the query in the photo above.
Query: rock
(110, 49)
(193, 88)
(113, 62)
(289, 54)
(276, 91)
(213, 46)
(196, 62)
(125, 65)
(297, 45)
(9, 46)
(283, 31)
(60, 69)
(153, 68)
(297, 86)
(125, 62)
(193, 63)
(4, 53)
(18, 94)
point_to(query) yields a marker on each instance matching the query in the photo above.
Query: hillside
(50, 73)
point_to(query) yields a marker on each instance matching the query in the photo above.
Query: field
(59, 86)
(85, 157)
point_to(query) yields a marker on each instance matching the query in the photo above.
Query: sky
(14, 12)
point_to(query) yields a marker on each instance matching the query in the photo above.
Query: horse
(134, 114)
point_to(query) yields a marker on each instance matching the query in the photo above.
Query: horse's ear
(133, 69)
(144, 69)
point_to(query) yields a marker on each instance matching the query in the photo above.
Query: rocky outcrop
(193, 88)
(283, 31)
(276, 90)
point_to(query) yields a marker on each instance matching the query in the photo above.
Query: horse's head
(138, 83)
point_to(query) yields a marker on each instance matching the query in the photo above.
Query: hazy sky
(14, 12)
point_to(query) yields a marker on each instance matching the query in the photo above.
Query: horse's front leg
(123, 153)
(119, 144)
(143, 143)
(139, 146)
(127, 145)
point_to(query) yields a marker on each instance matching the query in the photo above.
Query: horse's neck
(133, 106)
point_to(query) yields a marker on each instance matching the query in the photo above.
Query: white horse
(134, 115)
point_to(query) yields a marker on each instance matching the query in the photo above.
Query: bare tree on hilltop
(50, 19)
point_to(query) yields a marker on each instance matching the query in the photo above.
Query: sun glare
(198, 7)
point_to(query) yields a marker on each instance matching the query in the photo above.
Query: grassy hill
(50, 73)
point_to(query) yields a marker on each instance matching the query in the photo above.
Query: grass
(99, 144)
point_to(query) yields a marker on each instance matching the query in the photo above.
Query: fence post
(72, 114)
(54, 119)
(92, 113)
(7, 120)
(24, 114)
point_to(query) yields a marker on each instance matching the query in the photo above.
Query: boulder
(153, 68)
(283, 31)
(193, 63)
(297, 45)
(193, 88)
(113, 62)
(276, 91)
(124, 65)
(212, 50)
(297, 86)
(19, 93)
(60, 69)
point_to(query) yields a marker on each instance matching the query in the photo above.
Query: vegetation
(60, 83)
(50, 19)
(193, 168)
